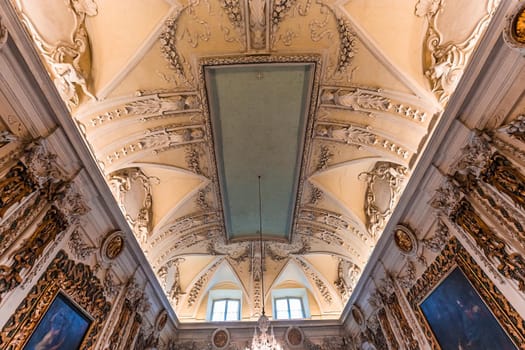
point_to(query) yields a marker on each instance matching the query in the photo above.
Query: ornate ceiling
(133, 76)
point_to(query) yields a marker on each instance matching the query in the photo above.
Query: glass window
(225, 310)
(289, 308)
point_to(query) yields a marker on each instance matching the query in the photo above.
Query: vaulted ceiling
(135, 75)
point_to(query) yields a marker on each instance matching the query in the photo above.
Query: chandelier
(263, 340)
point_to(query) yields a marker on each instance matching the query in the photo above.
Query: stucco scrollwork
(369, 100)
(280, 251)
(445, 60)
(319, 283)
(169, 277)
(235, 251)
(436, 242)
(131, 186)
(67, 60)
(358, 135)
(384, 181)
(80, 249)
(347, 277)
(197, 287)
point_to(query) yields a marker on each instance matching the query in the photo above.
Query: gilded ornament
(454, 255)
(61, 275)
(24, 257)
(514, 33)
(14, 186)
(506, 178)
(220, 338)
(161, 320)
(294, 337)
(405, 240)
(358, 316)
(387, 329)
(113, 245)
(519, 26)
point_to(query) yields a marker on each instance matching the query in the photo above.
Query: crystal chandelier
(263, 340)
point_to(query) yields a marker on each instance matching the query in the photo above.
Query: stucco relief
(132, 190)
(360, 136)
(445, 61)
(385, 183)
(347, 277)
(150, 106)
(370, 100)
(67, 60)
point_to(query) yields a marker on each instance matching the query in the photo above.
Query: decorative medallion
(220, 338)
(405, 240)
(294, 337)
(358, 316)
(514, 33)
(113, 245)
(161, 320)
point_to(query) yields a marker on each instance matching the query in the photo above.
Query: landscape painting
(63, 327)
(460, 319)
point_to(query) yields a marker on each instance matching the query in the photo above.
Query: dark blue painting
(62, 328)
(460, 319)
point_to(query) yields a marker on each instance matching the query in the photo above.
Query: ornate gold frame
(454, 255)
(78, 282)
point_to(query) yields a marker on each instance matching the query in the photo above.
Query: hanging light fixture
(263, 340)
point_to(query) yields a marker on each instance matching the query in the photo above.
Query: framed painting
(65, 309)
(63, 327)
(458, 306)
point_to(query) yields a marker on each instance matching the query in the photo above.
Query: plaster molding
(347, 276)
(368, 100)
(447, 60)
(64, 59)
(360, 136)
(384, 174)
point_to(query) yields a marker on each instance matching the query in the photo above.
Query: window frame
(288, 298)
(294, 292)
(227, 300)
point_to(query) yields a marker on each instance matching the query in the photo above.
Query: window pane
(232, 310)
(296, 308)
(219, 307)
(281, 306)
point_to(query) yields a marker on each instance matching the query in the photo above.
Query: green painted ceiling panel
(258, 115)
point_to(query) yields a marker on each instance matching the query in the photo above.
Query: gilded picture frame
(455, 259)
(64, 325)
(78, 283)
